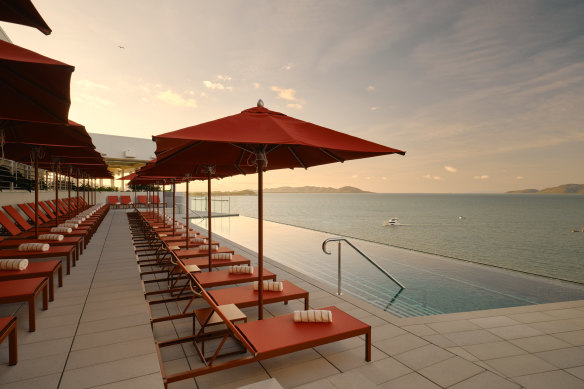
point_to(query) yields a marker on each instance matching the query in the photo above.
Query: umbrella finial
(260, 103)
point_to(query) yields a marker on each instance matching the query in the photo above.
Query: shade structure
(258, 139)
(41, 134)
(33, 87)
(23, 12)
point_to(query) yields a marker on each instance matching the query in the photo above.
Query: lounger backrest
(14, 214)
(42, 215)
(28, 212)
(155, 199)
(57, 207)
(112, 200)
(9, 224)
(125, 199)
(142, 199)
(47, 209)
(63, 207)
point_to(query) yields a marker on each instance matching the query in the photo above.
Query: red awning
(23, 12)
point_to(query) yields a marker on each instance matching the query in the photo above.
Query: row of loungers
(125, 201)
(26, 267)
(166, 263)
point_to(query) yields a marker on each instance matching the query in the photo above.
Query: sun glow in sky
(485, 96)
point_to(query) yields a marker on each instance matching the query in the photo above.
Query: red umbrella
(258, 139)
(23, 12)
(34, 88)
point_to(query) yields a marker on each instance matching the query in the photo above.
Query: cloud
(86, 84)
(431, 177)
(176, 99)
(256, 85)
(95, 100)
(370, 88)
(374, 108)
(355, 176)
(223, 78)
(287, 67)
(294, 106)
(216, 86)
(483, 177)
(384, 178)
(519, 177)
(450, 169)
(285, 94)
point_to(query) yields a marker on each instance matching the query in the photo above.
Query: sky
(485, 96)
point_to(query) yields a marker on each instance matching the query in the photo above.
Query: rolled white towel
(243, 269)
(270, 285)
(205, 247)
(34, 247)
(221, 256)
(313, 316)
(51, 237)
(69, 225)
(13, 264)
(65, 230)
(199, 240)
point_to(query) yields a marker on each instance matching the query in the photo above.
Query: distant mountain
(562, 189)
(314, 189)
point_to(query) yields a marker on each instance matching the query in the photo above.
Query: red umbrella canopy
(44, 134)
(33, 88)
(23, 12)
(236, 141)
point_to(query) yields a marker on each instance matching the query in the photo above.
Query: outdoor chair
(142, 201)
(54, 252)
(126, 201)
(46, 269)
(9, 329)
(113, 201)
(25, 290)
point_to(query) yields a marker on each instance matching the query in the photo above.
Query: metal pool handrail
(362, 254)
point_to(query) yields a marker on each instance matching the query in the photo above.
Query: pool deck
(96, 334)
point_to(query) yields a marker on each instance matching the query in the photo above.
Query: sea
(531, 233)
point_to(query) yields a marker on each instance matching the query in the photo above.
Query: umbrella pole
(57, 198)
(173, 207)
(260, 239)
(36, 194)
(77, 186)
(163, 203)
(157, 203)
(209, 216)
(187, 210)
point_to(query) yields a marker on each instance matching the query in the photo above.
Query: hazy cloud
(95, 101)
(286, 94)
(294, 105)
(176, 99)
(256, 85)
(216, 86)
(450, 169)
(483, 177)
(519, 177)
(375, 108)
(223, 78)
(370, 88)
(286, 67)
(431, 177)
(87, 84)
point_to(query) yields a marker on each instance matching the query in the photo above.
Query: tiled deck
(96, 334)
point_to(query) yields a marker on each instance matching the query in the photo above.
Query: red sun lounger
(25, 291)
(46, 269)
(8, 329)
(54, 251)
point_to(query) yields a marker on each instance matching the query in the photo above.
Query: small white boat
(394, 221)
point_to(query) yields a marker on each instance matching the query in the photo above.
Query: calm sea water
(531, 233)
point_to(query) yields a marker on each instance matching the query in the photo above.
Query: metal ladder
(340, 240)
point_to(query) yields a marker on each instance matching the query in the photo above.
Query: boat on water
(394, 221)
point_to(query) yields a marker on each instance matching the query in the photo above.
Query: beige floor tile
(453, 326)
(351, 380)
(440, 340)
(419, 329)
(450, 371)
(531, 317)
(494, 321)
(109, 353)
(151, 381)
(486, 380)
(552, 379)
(553, 327)
(271, 383)
(286, 360)
(113, 336)
(575, 338)
(341, 345)
(540, 343)
(472, 337)
(515, 331)
(319, 384)
(47, 381)
(423, 356)
(350, 359)
(385, 331)
(32, 368)
(565, 313)
(519, 365)
(577, 371)
(305, 372)
(383, 370)
(493, 350)
(410, 381)
(400, 344)
(564, 358)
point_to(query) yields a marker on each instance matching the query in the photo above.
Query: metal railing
(339, 240)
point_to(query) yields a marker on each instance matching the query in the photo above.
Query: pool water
(434, 284)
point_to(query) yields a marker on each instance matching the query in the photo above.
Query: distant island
(286, 189)
(561, 189)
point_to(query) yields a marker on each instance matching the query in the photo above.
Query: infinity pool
(433, 284)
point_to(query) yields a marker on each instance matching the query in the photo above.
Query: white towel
(243, 269)
(34, 247)
(69, 225)
(66, 230)
(270, 285)
(205, 247)
(313, 316)
(51, 237)
(221, 256)
(199, 240)
(13, 264)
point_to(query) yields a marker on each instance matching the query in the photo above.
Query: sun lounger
(46, 269)
(53, 252)
(126, 201)
(25, 291)
(113, 201)
(245, 296)
(8, 329)
(196, 252)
